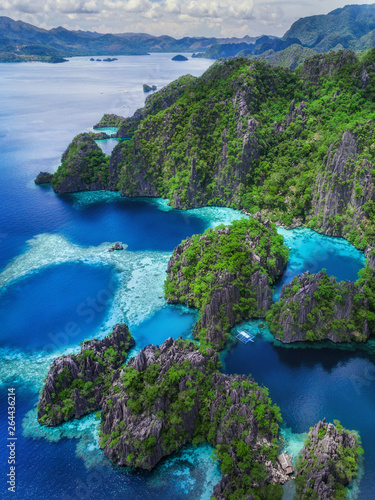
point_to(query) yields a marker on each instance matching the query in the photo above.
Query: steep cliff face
(316, 307)
(76, 383)
(157, 172)
(154, 103)
(169, 394)
(241, 424)
(344, 192)
(294, 113)
(202, 149)
(326, 65)
(154, 402)
(328, 462)
(227, 274)
(84, 167)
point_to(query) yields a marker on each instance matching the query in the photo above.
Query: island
(148, 88)
(328, 462)
(179, 57)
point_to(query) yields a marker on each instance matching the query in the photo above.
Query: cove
(170, 321)
(311, 251)
(55, 308)
(136, 222)
(310, 382)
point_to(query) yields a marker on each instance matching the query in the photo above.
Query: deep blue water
(61, 306)
(135, 222)
(55, 264)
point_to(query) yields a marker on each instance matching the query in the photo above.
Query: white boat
(244, 336)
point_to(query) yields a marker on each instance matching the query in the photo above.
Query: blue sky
(178, 18)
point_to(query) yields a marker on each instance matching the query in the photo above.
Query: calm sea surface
(60, 285)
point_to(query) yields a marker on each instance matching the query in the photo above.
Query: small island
(148, 88)
(328, 461)
(179, 57)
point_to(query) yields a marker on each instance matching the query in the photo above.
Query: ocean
(60, 285)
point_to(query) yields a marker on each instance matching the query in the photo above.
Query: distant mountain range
(352, 27)
(22, 41)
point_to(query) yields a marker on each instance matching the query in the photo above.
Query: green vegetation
(198, 404)
(201, 150)
(334, 449)
(83, 164)
(315, 307)
(226, 258)
(73, 380)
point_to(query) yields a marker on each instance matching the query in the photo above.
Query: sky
(178, 18)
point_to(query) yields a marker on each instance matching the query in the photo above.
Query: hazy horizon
(218, 18)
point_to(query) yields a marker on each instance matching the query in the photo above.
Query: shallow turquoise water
(311, 251)
(54, 257)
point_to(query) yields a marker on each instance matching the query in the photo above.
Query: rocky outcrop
(143, 172)
(148, 88)
(328, 461)
(154, 103)
(154, 402)
(43, 178)
(344, 188)
(233, 420)
(316, 307)
(76, 383)
(227, 274)
(84, 167)
(326, 65)
(110, 120)
(116, 246)
(291, 117)
(167, 395)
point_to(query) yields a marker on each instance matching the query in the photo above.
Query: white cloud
(173, 17)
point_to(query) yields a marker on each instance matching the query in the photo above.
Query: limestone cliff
(76, 383)
(316, 307)
(327, 463)
(227, 274)
(153, 403)
(84, 167)
(167, 395)
(344, 191)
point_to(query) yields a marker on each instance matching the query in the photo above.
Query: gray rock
(43, 178)
(320, 467)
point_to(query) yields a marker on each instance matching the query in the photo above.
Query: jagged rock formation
(280, 127)
(84, 167)
(214, 140)
(109, 120)
(328, 462)
(227, 274)
(316, 307)
(344, 190)
(322, 65)
(43, 178)
(153, 403)
(154, 103)
(166, 396)
(142, 171)
(76, 383)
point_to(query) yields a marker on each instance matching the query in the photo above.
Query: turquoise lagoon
(56, 272)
